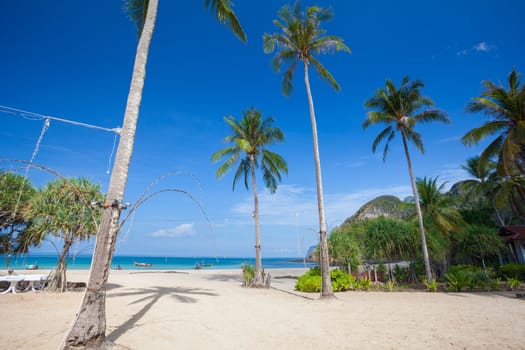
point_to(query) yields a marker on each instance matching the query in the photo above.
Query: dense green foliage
(311, 281)
(512, 271)
(15, 194)
(63, 209)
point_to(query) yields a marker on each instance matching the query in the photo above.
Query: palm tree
(439, 210)
(250, 136)
(400, 110)
(483, 186)
(63, 209)
(89, 327)
(507, 111)
(506, 107)
(300, 39)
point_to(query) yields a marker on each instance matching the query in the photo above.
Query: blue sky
(72, 61)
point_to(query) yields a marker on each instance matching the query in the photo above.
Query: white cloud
(182, 230)
(450, 139)
(483, 47)
(479, 47)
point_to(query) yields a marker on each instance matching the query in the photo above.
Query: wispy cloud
(182, 230)
(479, 47)
(293, 204)
(450, 139)
(452, 173)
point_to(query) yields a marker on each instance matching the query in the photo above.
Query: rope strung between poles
(36, 116)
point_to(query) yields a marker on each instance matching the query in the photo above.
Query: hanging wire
(36, 116)
(111, 154)
(33, 156)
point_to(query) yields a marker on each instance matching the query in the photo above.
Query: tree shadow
(151, 296)
(224, 277)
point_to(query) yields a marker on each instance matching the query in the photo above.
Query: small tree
(63, 209)
(15, 194)
(479, 242)
(344, 248)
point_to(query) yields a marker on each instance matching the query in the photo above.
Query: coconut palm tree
(249, 139)
(63, 209)
(506, 107)
(439, 210)
(300, 38)
(89, 327)
(400, 108)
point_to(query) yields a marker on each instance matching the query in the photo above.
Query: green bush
(432, 286)
(310, 282)
(495, 284)
(513, 283)
(341, 280)
(458, 279)
(479, 279)
(364, 284)
(248, 274)
(401, 274)
(512, 271)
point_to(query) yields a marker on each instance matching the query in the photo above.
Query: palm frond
(137, 11)
(223, 10)
(475, 135)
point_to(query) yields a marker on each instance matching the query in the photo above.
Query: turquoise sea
(46, 262)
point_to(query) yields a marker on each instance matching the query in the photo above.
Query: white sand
(208, 309)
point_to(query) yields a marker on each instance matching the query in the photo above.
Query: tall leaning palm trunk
(426, 259)
(89, 327)
(326, 284)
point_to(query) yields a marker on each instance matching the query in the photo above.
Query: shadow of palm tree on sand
(151, 295)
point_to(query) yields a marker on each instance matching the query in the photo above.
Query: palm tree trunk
(89, 327)
(258, 278)
(326, 284)
(426, 260)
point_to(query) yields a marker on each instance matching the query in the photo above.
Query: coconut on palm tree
(401, 109)
(248, 148)
(299, 41)
(88, 329)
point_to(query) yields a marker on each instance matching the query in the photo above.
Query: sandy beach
(208, 309)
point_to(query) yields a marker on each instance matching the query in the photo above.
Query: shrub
(479, 279)
(458, 279)
(311, 281)
(390, 285)
(512, 271)
(401, 274)
(513, 283)
(432, 286)
(341, 280)
(308, 283)
(364, 284)
(248, 274)
(495, 284)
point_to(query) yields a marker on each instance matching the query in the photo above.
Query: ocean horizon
(83, 262)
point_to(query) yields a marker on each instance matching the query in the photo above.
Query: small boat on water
(142, 264)
(32, 267)
(199, 266)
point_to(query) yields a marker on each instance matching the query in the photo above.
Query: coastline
(203, 309)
